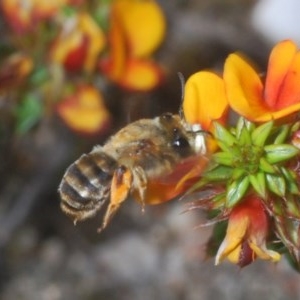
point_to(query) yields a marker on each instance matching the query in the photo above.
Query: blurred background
(71, 74)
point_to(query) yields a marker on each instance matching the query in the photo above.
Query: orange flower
(79, 43)
(137, 28)
(279, 97)
(246, 234)
(14, 70)
(22, 15)
(84, 110)
(205, 100)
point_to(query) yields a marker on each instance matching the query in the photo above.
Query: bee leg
(140, 185)
(120, 188)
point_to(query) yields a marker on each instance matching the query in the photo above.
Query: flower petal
(262, 252)
(204, 99)
(231, 245)
(95, 37)
(244, 88)
(143, 24)
(280, 61)
(114, 65)
(141, 75)
(268, 116)
(84, 111)
(79, 46)
(290, 91)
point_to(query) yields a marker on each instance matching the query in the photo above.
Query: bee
(142, 160)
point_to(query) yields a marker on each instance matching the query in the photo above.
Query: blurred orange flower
(79, 43)
(84, 111)
(278, 97)
(246, 234)
(14, 70)
(22, 15)
(137, 28)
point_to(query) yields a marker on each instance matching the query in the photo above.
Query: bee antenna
(182, 83)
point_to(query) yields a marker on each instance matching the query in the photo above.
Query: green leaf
(218, 201)
(280, 153)
(68, 11)
(265, 166)
(223, 135)
(237, 173)
(219, 173)
(261, 133)
(291, 180)
(236, 190)
(39, 75)
(276, 184)
(28, 113)
(282, 134)
(258, 182)
(244, 137)
(223, 158)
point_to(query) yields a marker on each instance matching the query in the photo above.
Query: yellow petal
(244, 88)
(141, 75)
(84, 111)
(95, 37)
(231, 245)
(263, 253)
(280, 62)
(143, 24)
(80, 45)
(114, 65)
(204, 99)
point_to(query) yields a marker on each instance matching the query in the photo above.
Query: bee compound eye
(180, 143)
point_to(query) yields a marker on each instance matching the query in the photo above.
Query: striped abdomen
(86, 184)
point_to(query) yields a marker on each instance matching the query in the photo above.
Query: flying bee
(143, 160)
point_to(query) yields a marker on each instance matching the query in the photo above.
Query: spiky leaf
(279, 153)
(236, 190)
(276, 184)
(261, 133)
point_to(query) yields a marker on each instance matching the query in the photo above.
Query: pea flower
(14, 70)
(137, 28)
(277, 97)
(84, 110)
(252, 179)
(205, 100)
(23, 15)
(79, 43)
(246, 235)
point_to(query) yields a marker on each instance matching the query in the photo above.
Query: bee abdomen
(85, 186)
